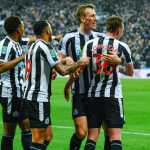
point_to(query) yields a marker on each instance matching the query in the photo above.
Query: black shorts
(79, 105)
(39, 114)
(109, 110)
(12, 109)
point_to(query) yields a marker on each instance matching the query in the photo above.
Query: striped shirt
(24, 43)
(104, 80)
(10, 81)
(72, 45)
(40, 59)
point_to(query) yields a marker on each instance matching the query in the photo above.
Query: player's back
(105, 80)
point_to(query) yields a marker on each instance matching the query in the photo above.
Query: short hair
(81, 10)
(39, 27)
(113, 23)
(11, 24)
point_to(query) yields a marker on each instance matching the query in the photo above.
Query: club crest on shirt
(15, 114)
(46, 120)
(75, 112)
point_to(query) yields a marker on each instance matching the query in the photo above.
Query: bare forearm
(122, 70)
(70, 82)
(126, 71)
(9, 65)
(69, 69)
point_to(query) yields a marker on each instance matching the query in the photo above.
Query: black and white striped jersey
(104, 80)
(41, 58)
(72, 45)
(24, 43)
(10, 81)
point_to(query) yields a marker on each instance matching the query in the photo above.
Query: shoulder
(41, 44)
(69, 35)
(98, 34)
(124, 46)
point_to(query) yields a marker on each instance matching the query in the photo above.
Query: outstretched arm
(70, 69)
(10, 64)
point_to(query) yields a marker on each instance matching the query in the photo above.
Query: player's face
(89, 19)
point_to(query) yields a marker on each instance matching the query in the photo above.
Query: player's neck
(84, 30)
(14, 38)
(43, 38)
(112, 35)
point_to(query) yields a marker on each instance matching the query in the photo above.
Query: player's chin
(94, 26)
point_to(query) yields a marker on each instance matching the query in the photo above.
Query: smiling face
(89, 19)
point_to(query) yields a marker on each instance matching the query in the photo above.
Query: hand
(113, 58)
(84, 61)
(53, 75)
(22, 57)
(69, 61)
(77, 72)
(67, 92)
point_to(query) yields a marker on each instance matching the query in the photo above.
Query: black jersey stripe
(1, 85)
(97, 76)
(114, 84)
(106, 77)
(12, 74)
(49, 82)
(74, 55)
(124, 51)
(91, 37)
(4, 48)
(49, 85)
(29, 80)
(85, 71)
(89, 54)
(38, 74)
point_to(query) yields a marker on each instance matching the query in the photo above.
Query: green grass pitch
(136, 132)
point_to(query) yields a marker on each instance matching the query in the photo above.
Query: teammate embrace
(92, 60)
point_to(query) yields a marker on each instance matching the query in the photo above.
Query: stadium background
(60, 13)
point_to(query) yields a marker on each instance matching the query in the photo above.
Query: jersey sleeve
(126, 54)
(64, 43)
(51, 56)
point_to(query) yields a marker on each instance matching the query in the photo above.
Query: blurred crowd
(60, 13)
